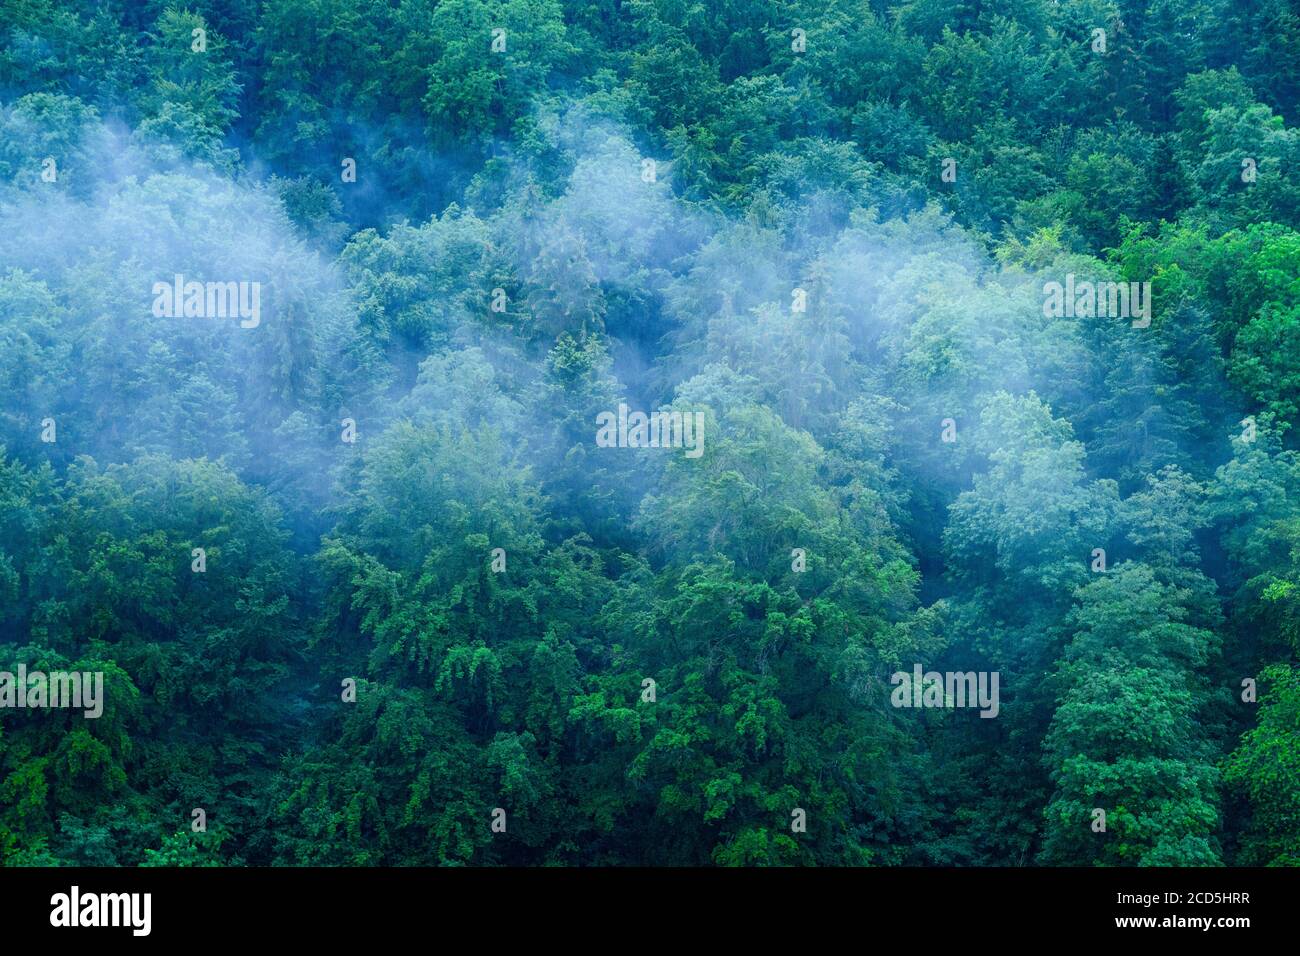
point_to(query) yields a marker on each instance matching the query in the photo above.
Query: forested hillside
(375, 559)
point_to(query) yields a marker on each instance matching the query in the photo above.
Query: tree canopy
(311, 312)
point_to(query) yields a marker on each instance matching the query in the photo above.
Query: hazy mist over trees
(370, 560)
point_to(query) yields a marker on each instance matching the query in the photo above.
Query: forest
(650, 432)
